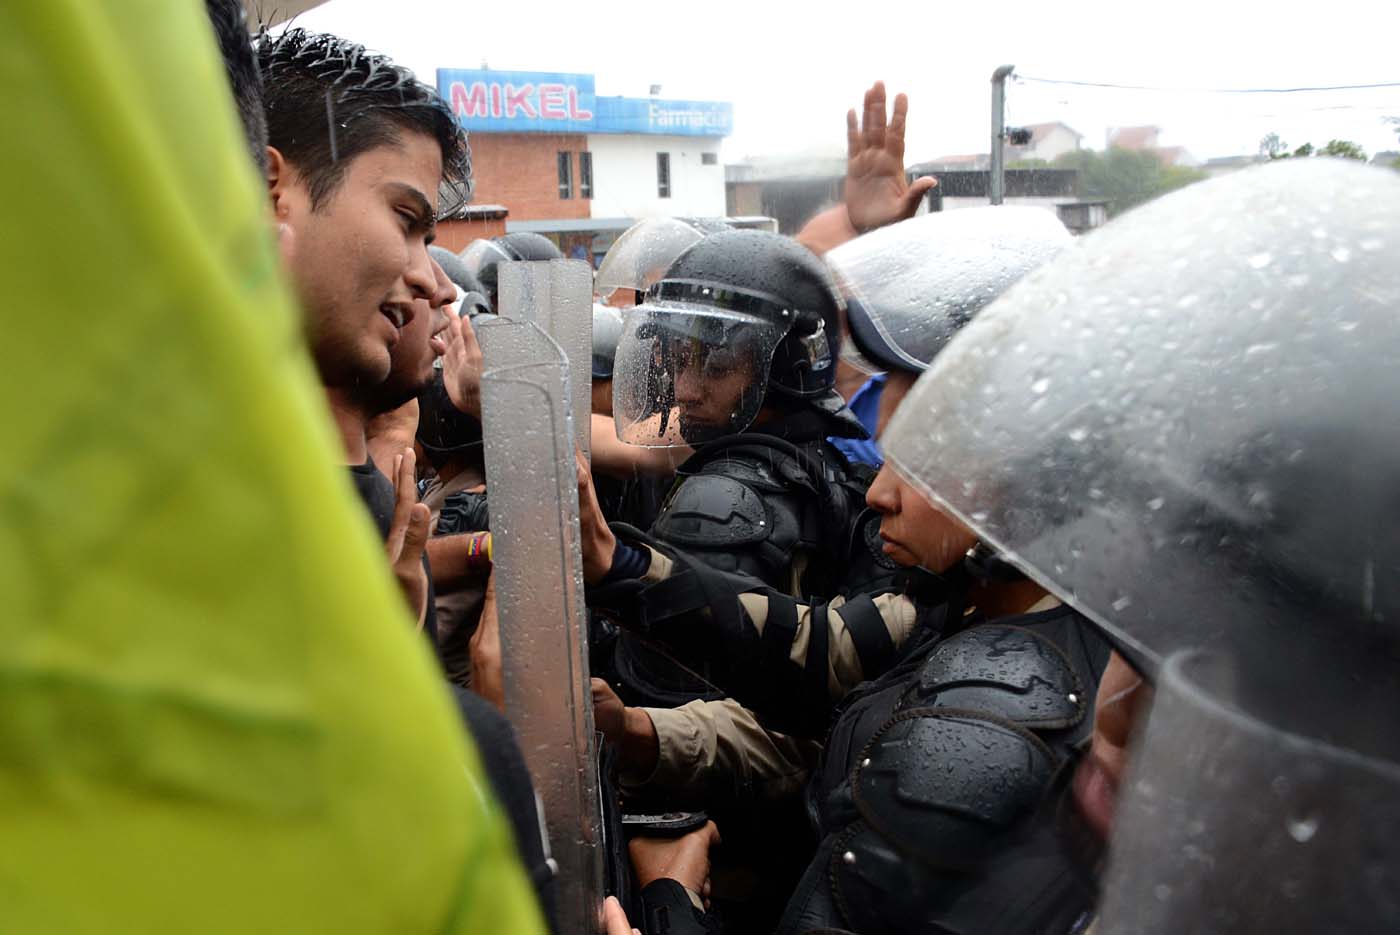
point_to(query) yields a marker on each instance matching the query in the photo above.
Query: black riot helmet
(473, 300)
(481, 257)
(741, 319)
(443, 429)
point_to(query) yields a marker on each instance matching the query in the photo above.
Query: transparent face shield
(688, 374)
(482, 257)
(910, 286)
(641, 256)
(1181, 435)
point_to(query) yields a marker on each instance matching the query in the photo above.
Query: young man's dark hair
(328, 100)
(231, 29)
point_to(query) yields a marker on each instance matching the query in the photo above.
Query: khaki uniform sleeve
(660, 567)
(844, 670)
(710, 749)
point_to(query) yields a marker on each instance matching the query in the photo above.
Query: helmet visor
(685, 375)
(480, 254)
(643, 253)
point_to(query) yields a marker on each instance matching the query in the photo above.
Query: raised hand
(462, 367)
(876, 190)
(408, 535)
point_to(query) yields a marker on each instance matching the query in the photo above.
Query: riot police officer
(733, 353)
(1193, 441)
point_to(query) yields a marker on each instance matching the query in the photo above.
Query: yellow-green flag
(214, 713)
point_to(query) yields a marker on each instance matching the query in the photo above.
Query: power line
(1143, 87)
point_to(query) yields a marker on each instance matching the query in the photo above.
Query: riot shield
(557, 295)
(1252, 806)
(531, 475)
(1185, 425)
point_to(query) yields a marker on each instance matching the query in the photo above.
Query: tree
(1275, 148)
(1125, 178)
(1344, 149)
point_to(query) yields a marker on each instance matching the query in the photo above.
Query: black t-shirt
(377, 491)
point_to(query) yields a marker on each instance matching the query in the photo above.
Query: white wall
(1056, 143)
(624, 176)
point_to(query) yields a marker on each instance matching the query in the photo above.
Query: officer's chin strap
(984, 565)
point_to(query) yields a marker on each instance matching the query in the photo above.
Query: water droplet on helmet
(1302, 829)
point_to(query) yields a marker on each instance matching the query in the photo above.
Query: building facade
(578, 167)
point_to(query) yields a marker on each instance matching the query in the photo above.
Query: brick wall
(455, 235)
(521, 171)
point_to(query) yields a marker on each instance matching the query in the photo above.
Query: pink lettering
(552, 102)
(575, 113)
(468, 103)
(518, 99)
(495, 100)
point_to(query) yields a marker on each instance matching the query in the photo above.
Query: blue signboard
(668, 118)
(549, 102)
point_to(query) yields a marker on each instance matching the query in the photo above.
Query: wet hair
(328, 100)
(244, 79)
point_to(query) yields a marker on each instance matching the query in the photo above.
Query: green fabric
(214, 713)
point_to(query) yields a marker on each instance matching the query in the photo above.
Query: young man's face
(360, 260)
(421, 342)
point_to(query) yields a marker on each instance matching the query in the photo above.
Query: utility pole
(997, 188)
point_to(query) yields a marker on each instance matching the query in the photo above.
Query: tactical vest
(791, 515)
(932, 797)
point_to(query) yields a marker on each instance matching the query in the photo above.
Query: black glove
(463, 512)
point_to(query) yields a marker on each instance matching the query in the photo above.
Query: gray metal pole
(997, 188)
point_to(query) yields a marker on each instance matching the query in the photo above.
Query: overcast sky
(792, 69)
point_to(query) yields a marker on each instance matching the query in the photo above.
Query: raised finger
(876, 131)
(894, 137)
(867, 118)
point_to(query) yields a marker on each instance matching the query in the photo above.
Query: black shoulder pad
(768, 464)
(713, 511)
(950, 787)
(1008, 672)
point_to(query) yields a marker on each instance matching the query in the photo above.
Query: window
(709, 159)
(566, 175)
(585, 175)
(663, 175)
